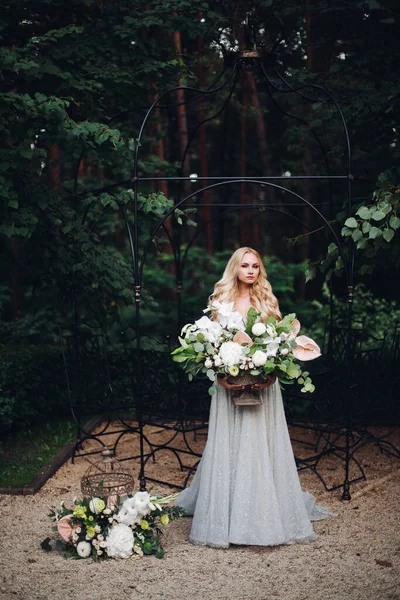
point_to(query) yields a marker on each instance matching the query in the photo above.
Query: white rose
(83, 549)
(259, 358)
(97, 505)
(231, 353)
(208, 363)
(120, 541)
(258, 329)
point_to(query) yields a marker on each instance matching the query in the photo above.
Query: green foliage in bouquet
(227, 347)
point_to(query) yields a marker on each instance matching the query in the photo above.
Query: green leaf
(211, 390)
(356, 235)
(378, 215)
(362, 243)
(366, 226)
(388, 235)
(211, 375)
(160, 553)
(375, 232)
(363, 212)
(394, 222)
(198, 347)
(346, 231)
(351, 223)
(179, 358)
(252, 315)
(269, 367)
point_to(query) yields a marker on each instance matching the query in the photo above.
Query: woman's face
(249, 268)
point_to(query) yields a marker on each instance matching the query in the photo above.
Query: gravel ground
(357, 554)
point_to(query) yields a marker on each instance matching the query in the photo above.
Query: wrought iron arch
(336, 439)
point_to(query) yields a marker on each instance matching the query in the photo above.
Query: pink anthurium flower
(242, 338)
(296, 325)
(306, 348)
(64, 527)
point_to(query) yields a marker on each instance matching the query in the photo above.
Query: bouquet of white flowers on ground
(232, 347)
(113, 527)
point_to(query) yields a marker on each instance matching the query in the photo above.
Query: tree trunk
(206, 199)
(183, 136)
(242, 168)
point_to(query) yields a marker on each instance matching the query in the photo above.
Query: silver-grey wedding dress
(246, 489)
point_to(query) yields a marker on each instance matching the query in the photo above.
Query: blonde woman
(246, 488)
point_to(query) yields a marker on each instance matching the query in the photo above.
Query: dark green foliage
(76, 77)
(31, 385)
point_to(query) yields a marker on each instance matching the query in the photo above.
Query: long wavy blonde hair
(261, 295)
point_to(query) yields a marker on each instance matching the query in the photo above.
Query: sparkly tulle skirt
(246, 489)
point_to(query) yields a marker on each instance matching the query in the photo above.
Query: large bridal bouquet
(228, 346)
(112, 527)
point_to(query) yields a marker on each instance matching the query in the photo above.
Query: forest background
(77, 77)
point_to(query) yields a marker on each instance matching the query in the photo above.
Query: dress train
(246, 489)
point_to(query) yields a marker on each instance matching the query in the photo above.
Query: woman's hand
(267, 383)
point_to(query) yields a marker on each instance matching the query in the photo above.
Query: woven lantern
(107, 477)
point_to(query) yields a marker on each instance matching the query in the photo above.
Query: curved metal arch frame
(247, 63)
(138, 264)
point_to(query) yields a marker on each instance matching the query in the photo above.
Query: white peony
(258, 329)
(120, 541)
(83, 549)
(259, 358)
(211, 330)
(231, 353)
(229, 318)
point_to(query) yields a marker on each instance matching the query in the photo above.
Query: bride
(246, 489)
